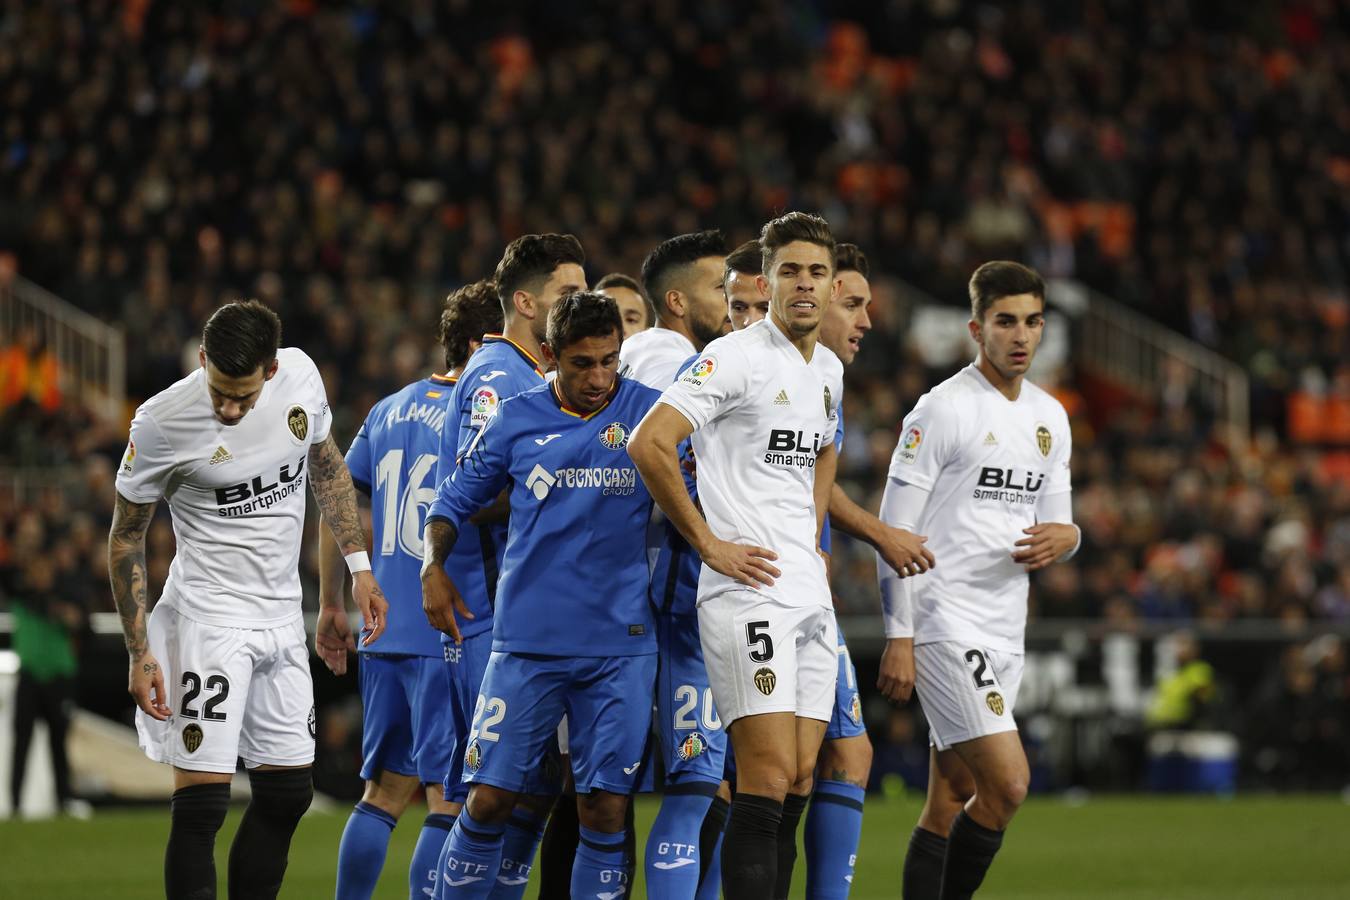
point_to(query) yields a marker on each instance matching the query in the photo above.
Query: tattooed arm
(336, 495)
(127, 571)
(441, 600)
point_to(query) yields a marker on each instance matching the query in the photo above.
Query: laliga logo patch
(614, 437)
(909, 445)
(485, 402)
(700, 371)
(692, 746)
(130, 458)
(192, 737)
(473, 757)
(297, 420)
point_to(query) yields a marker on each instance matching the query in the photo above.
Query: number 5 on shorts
(756, 634)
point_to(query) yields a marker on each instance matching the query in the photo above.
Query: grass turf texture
(1110, 847)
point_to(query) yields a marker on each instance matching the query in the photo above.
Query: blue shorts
(407, 728)
(847, 719)
(687, 730)
(607, 701)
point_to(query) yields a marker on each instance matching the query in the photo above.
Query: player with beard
(982, 465)
(761, 406)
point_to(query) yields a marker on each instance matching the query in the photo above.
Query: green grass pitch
(1109, 847)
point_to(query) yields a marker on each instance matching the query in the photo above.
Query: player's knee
(200, 808)
(1011, 793)
(390, 793)
(490, 805)
(602, 811)
(281, 794)
(848, 760)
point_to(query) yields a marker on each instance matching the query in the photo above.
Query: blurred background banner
(1179, 172)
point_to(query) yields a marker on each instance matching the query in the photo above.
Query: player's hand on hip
(905, 552)
(1044, 544)
(751, 566)
(333, 639)
(145, 683)
(896, 677)
(372, 603)
(441, 601)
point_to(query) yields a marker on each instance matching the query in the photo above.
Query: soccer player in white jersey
(747, 302)
(220, 670)
(760, 404)
(634, 306)
(688, 314)
(982, 468)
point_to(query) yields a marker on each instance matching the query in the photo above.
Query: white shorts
(967, 691)
(764, 657)
(234, 692)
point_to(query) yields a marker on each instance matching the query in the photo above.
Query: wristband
(358, 562)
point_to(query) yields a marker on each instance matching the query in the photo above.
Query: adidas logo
(782, 399)
(990, 440)
(221, 455)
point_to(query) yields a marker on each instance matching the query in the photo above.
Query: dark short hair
(470, 312)
(672, 257)
(241, 337)
(618, 279)
(528, 262)
(848, 258)
(1002, 278)
(745, 259)
(580, 315)
(794, 226)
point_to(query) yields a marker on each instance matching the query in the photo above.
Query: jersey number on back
(404, 509)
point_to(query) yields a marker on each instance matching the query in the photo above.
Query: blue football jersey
(676, 564)
(501, 368)
(825, 540)
(393, 460)
(574, 578)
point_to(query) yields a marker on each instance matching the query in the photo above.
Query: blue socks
(365, 841)
(435, 834)
(672, 865)
(472, 857)
(599, 869)
(522, 839)
(833, 827)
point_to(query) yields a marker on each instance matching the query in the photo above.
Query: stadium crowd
(350, 166)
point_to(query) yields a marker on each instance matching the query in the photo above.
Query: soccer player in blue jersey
(407, 738)
(573, 632)
(534, 271)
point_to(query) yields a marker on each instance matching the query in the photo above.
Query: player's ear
(201, 356)
(974, 328)
(675, 303)
(762, 284)
(271, 369)
(547, 353)
(524, 304)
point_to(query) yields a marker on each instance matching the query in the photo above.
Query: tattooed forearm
(437, 541)
(127, 571)
(336, 495)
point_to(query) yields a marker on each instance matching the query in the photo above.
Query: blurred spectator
(1185, 698)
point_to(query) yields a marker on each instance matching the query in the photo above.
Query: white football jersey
(761, 414)
(987, 462)
(236, 492)
(654, 356)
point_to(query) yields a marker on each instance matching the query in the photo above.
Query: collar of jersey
(529, 357)
(585, 417)
(443, 379)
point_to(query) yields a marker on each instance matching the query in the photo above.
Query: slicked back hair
(618, 279)
(241, 337)
(470, 312)
(528, 262)
(745, 259)
(848, 258)
(580, 315)
(664, 265)
(789, 227)
(1002, 278)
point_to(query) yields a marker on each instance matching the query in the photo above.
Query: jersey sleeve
(479, 477)
(715, 383)
(148, 463)
(1059, 482)
(322, 425)
(929, 439)
(358, 459)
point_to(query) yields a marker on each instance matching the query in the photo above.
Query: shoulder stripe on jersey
(529, 357)
(444, 379)
(556, 394)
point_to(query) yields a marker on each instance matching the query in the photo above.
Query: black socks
(923, 865)
(750, 848)
(970, 850)
(196, 814)
(793, 807)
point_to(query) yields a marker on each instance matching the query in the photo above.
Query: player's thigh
(432, 720)
(386, 719)
(962, 696)
(279, 723)
(465, 663)
(750, 648)
(515, 719)
(765, 751)
(687, 729)
(810, 734)
(950, 786)
(609, 713)
(208, 672)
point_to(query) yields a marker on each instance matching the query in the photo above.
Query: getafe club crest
(1043, 440)
(614, 436)
(692, 746)
(297, 420)
(473, 757)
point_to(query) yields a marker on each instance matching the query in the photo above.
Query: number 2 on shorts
(976, 657)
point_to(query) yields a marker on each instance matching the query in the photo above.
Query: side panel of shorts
(687, 729)
(763, 657)
(609, 711)
(512, 739)
(847, 720)
(967, 692)
(386, 723)
(279, 712)
(465, 664)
